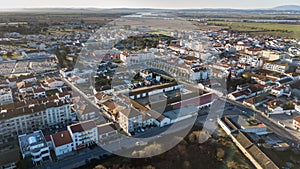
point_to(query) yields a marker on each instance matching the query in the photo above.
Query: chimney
(62, 135)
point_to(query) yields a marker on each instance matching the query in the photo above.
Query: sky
(172, 4)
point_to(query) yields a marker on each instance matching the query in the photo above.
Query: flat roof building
(35, 146)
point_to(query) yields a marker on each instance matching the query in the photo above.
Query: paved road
(77, 160)
(219, 108)
(286, 136)
(83, 156)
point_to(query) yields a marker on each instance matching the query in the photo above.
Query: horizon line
(193, 8)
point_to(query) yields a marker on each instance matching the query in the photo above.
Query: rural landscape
(150, 88)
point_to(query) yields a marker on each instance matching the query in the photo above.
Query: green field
(272, 29)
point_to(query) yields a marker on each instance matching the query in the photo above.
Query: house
(241, 46)
(39, 92)
(277, 66)
(244, 66)
(199, 73)
(247, 91)
(261, 79)
(107, 132)
(49, 141)
(284, 81)
(52, 83)
(101, 97)
(65, 72)
(209, 84)
(163, 121)
(238, 95)
(112, 108)
(152, 117)
(26, 87)
(135, 58)
(6, 96)
(79, 80)
(130, 119)
(242, 87)
(64, 95)
(274, 106)
(83, 134)
(271, 55)
(257, 89)
(184, 112)
(255, 101)
(86, 112)
(152, 90)
(280, 91)
(146, 74)
(253, 51)
(246, 126)
(62, 142)
(296, 122)
(31, 115)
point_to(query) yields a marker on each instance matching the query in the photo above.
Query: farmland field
(272, 29)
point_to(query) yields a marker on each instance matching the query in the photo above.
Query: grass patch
(272, 29)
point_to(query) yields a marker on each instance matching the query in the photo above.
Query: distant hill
(288, 8)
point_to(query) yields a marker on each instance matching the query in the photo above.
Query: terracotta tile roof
(106, 128)
(130, 112)
(297, 119)
(111, 104)
(61, 138)
(48, 138)
(39, 90)
(238, 93)
(100, 95)
(23, 108)
(83, 126)
(274, 103)
(65, 93)
(196, 101)
(211, 82)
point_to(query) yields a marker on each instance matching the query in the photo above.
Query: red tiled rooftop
(61, 138)
(196, 101)
(80, 127)
(297, 119)
(39, 90)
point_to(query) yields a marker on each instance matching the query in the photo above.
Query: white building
(200, 73)
(106, 132)
(64, 72)
(6, 96)
(62, 142)
(277, 67)
(24, 118)
(136, 58)
(130, 119)
(34, 145)
(52, 83)
(83, 134)
(39, 92)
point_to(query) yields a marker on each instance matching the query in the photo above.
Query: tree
(9, 54)
(232, 165)
(229, 81)
(100, 167)
(220, 154)
(194, 136)
(148, 151)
